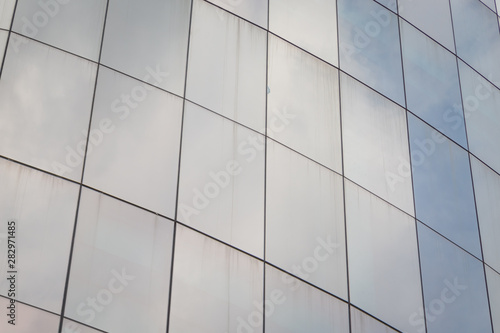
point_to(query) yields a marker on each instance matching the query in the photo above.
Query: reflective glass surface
(70, 326)
(363, 323)
(221, 188)
(253, 10)
(227, 65)
(3, 43)
(303, 102)
(369, 46)
(120, 270)
(305, 219)
(493, 279)
(32, 320)
(490, 4)
(134, 142)
(6, 11)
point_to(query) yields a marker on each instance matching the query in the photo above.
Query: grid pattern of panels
(250, 166)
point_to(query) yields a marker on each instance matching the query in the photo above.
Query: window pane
(70, 326)
(3, 43)
(148, 40)
(299, 307)
(215, 288)
(363, 323)
(221, 188)
(253, 10)
(494, 293)
(490, 4)
(432, 87)
(307, 24)
(454, 287)
(134, 142)
(391, 4)
(120, 269)
(369, 46)
(375, 139)
(29, 319)
(42, 123)
(227, 65)
(303, 102)
(443, 187)
(305, 215)
(384, 275)
(6, 11)
(43, 208)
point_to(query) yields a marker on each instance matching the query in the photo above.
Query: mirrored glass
(482, 115)
(134, 142)
(431, 81)
(363, 323)
(254, 11)
(120, 270)
(299, 307)
(45, 102)
(369, 46)
(303, 102)
(493, 280)
(391, 4)
(384, 275)
(75, 26)
(305, 219)
(311, 25)
(487, 191)
(221, 189)
(215, 288)
(70, 326)
(227, 65)
(443, 186)
(29, 319)
(43, 210)
(6, 11)
(148, 40)
(376, 153)
(454, 287)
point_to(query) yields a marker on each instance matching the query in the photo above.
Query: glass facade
(250, 166)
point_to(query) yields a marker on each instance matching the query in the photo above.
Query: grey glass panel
(253, 10)
(293, 306)
(303, 102)
(490, 4)
(363, 323)
(148, 40)
(75, 26)
(227, 65)
(482, 115)
(45, 102)
(384, 275)
(215, 288)
(311, 25)
(70, 326)
(120, 269)
(134, 142)
(477, 36)
(375, 140)
(3, 43)
(221, 189)
(454, 287)
(305, 219)
(487, 191)
(432, 87)
(493, 280)
(369, 46)
(433, 17)
(43, 209)
(6, 11)
(442, 186)
(29, 320)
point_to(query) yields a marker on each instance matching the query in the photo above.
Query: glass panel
(363, 323)
(3, 43)
(43, 209)
(309, 25)
(391, 4)
(303, 102)
(215, 288)
(490, 4)
(75, 26)
(454, 288)
(443, 187)
(384, 275)
(293, 306)
(28, 319)
(432, 87)
(369, 46)
(481, 105)
(148, 40)
(494, 292)
(6, 11)
(305, 219)
(477, 36)
(120, 270)
(221, 188)
(70, 326)
(435, 23)
(45, 98)
(252, 10)
(134, 142)
(375, 139)
(487, 191)
(227, 65)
